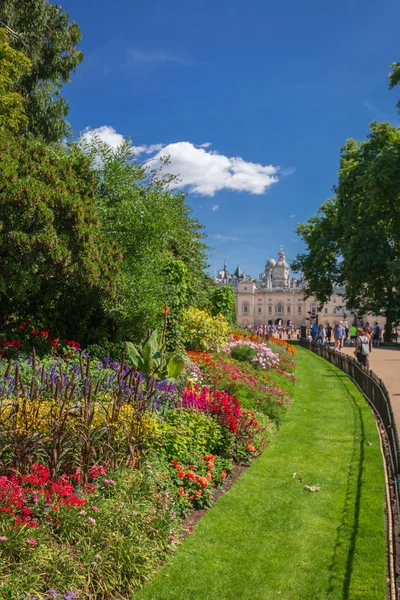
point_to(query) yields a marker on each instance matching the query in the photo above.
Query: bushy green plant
(243, 353)
(223, 302)
(183, 435)
(202, 331)
(106, 349)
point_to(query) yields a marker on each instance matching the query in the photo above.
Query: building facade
(276, 298)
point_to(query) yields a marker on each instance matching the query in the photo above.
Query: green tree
(56, 264)
(13, 65)
(394, 78)
(42, 31)
(355, 238)
(223, 302)
(164, 253)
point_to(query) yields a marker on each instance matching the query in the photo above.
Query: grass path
(269, 538)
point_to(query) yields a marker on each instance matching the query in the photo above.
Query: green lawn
(268, 537)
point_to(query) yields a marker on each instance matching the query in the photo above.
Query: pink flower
(171, 537)
(3, 538)
(94, 508)
(32, 542)
(91, 521)
(109, 481)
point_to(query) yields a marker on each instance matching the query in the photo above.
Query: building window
(259, 299)
(279, 308)
(259, 310)
(245, 289)
(299, 309)
(245, 307)
(326, 310)
(270, 309)
(313, 310)
(288, 309)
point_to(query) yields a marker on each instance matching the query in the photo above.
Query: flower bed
(100, 462)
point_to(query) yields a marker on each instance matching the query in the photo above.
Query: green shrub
(183, 435)
(243, 353)
(201, 331)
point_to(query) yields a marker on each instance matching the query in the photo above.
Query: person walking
(339, 334)
(321, 335)
(314, 332)
(362, 349)
(328, 333)
(377, 335)
(353, 334)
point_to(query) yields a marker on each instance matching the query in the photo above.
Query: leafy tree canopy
(163, 248)
(223, 302)
(355, 237)
(56, 265)
(13, 65)
(42, 31)
(394, 78)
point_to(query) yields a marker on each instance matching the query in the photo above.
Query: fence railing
(375, 392)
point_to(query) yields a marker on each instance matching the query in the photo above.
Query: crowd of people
(362, 338)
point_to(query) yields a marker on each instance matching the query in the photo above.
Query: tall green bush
(56, 264)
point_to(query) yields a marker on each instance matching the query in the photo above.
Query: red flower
(181, 474)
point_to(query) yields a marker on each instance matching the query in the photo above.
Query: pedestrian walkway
(270, 537)
(385, 362)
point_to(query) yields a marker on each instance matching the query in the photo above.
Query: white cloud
(205, 145)
(148, 149)
(106, 134)
(215, 207)
(292, 216)
(198, 170)
(207, 172)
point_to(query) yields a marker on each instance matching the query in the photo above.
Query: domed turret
(270, 263)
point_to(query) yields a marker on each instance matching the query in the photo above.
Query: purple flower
(53, 593)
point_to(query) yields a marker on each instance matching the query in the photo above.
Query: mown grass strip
(268, 537)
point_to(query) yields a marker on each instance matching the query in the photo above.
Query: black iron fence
(374, 391)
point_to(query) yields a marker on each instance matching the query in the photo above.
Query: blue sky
(258, 84)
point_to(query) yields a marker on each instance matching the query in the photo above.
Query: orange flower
(198, 493)
(209, 476)
(210, 466)
(181, 492)
(223, 474)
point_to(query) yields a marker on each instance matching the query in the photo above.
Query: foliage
(261, 390)
(196, 481)
(26, 336)
(13, 65)
(394, 78)
(184, 434)
(57, 266)
(151, 359)
(202, 331)
(355, 238)
(164, 254)
(243, 353)
(223, 302)
(258, 353)
(42, 31)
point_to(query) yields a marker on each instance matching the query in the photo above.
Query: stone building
(276, 298)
